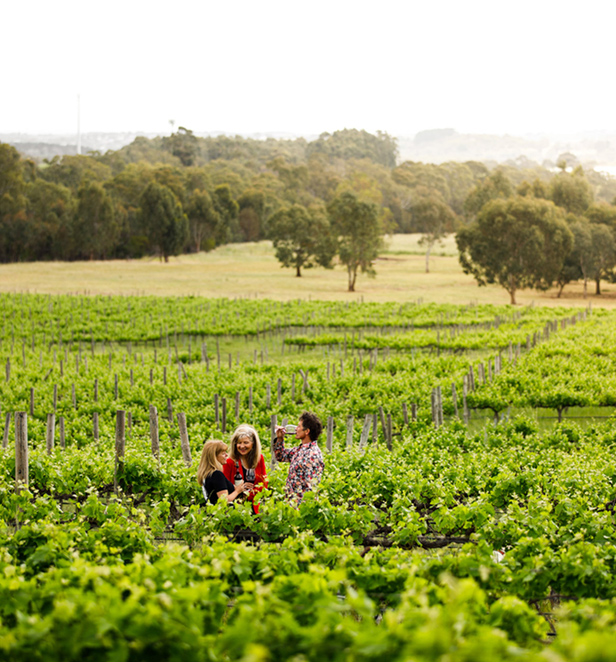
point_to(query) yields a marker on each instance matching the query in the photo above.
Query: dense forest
(184, 193)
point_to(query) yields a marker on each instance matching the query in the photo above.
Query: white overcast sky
(303, 67)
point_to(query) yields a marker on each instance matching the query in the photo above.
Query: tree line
(538, 234)
(332, 197)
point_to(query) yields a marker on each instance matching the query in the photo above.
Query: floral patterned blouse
(305, 469)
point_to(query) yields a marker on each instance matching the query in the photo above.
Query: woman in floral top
(306, 459)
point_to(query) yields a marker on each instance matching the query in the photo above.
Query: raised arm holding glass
(306, 460)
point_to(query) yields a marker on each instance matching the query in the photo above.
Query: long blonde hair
(209, 463)
(252, 459)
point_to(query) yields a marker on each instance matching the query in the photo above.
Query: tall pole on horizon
(78, 124)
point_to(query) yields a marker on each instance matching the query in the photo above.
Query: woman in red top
(246, 462)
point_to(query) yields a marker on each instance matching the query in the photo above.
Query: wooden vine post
(120, 444)
(7, 425)
(61, 432)
(363, 440)
(273, 424)
(383, 423)
(184, 439)
(349, 432)
(154, 433)
(433, 407)
(21, 451)
(50, 433)
(454, 397)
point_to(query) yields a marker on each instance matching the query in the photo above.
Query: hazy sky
(307, 67)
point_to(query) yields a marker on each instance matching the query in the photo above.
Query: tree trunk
(352, 278)
(512, 289)
(428, 258)
(598, 284)
(585, 288)
(298, 273)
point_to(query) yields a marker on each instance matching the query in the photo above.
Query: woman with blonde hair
(211, 478)
(246, 462)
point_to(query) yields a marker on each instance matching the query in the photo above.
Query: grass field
(251, 270)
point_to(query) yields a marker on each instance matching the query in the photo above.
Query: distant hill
(440, 145)
(45, 146)
(431, 146)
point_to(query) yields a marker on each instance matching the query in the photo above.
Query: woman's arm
(223, 487)
(232, 496)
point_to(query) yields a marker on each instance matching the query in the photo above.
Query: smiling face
(222, 457)
(244, 445)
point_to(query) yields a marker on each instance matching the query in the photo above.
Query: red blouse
(260, 477)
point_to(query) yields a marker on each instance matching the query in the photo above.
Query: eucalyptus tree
(516, 242)
(302, 237)
(97, 226)
(434, 218)
(12, 204)
(359, 233)
(494, 186)
(51, 222)
(163, 220)
(571, 191)
(203, 220)
(594, 251)
(228, 210)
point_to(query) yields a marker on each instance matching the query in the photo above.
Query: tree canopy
(572, 191)
(517, 242)
(302, 237)
(434, 219)
(359, 233)
(163, 219)
(353, 144)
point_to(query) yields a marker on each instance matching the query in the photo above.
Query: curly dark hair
(311, 423)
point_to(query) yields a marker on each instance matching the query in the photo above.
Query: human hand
(280, 430)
